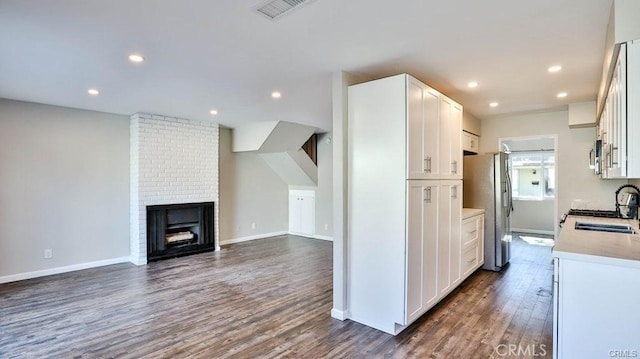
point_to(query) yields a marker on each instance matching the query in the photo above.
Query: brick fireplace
(173, 161)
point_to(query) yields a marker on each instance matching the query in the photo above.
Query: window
(533, 175)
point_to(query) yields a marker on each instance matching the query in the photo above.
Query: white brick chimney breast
(172, 161)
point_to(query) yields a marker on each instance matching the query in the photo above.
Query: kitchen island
(596, 290)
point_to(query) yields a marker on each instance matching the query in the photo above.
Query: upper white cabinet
(423, 130)
(434, 133)
(470, 143)
(404, 198)
(450, 139)
(619, 121)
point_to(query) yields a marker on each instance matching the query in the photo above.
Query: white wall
(575, 180)
(64, 185)
(533, 216)
(324, 191)
(339, 84)
(470, 123)
(250, 192)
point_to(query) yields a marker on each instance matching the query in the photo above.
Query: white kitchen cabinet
(422, 247)
(472, 244)
(595, 308)
(470, 143)
(449, 225)
(450, 156)
(302, 210)
(404, 250)
(434, 125)
(619, 121)
(433, 243)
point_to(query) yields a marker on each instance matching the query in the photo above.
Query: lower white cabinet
(472, 244)
(596, 307)
(302, 212)
(394, 279)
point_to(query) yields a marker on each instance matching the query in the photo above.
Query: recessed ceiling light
(554, 68)
(276, 94)
(493, 104)
(562, 95)
(93, 92)
(213, 112)
(136, 58)
(472, 84)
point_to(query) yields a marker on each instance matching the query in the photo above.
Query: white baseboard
(532, 231)
(137, 260)
(312, 236)
(65, 269)
(339, 314)
(324, 238)
(250, 238)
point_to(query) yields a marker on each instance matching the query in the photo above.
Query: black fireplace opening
(179, 229)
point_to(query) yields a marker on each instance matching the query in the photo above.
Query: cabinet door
(455, 234)
(430, 220)
(294, 214)
(302, 214)
(307, 215)
(415, 245)
(616, 99)
(450, 139)
(422, 130)
(444, 238)
(456, 140)
(469, 142)
(422, 241)
(449, 235)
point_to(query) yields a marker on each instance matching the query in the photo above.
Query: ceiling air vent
(276, 8)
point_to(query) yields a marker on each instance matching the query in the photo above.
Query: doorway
(534, 176)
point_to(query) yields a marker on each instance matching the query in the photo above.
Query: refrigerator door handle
(509, 192)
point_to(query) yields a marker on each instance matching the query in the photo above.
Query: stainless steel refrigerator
(487, 185)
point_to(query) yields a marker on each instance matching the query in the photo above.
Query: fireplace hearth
(179, 229)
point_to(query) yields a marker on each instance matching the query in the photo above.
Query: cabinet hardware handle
(454, 192)
(427, 164)
(471, 260)
(454, 167)
(610, 154)
(427, 194)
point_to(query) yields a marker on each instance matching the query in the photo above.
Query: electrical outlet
(48, 253)
(253, 226)
(326, 226)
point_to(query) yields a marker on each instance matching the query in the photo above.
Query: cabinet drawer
(471, 229)
(470, 259)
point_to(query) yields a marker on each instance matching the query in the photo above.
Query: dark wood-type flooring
(264, 299)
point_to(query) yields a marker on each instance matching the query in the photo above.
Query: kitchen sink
(605, 227)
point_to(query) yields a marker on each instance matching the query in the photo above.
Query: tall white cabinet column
(405, 200)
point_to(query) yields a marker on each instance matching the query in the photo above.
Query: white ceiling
(223, 54)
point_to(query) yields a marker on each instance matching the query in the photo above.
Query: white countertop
(602, 247)
(470, 212)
